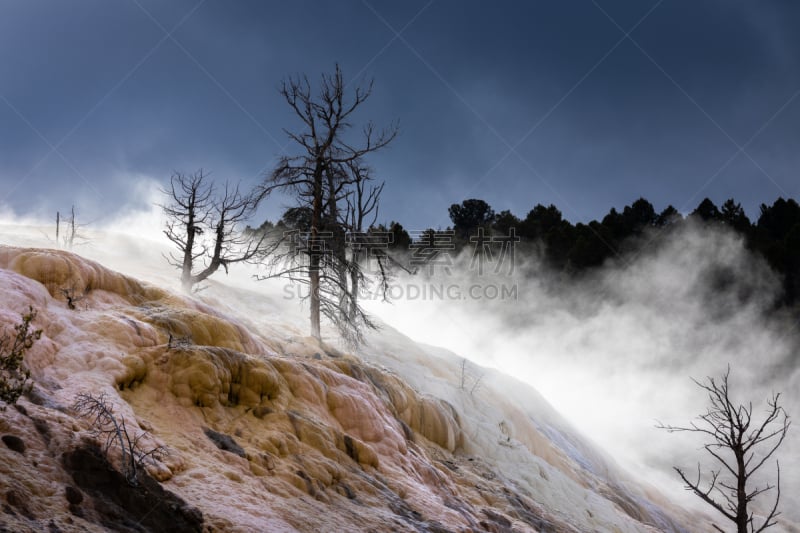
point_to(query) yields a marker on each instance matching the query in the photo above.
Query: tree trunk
(186, 270)
(741, 492)
(314, 288)
(354, 298)
(216, 258)
(314, 259)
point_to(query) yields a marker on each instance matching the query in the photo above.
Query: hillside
(266, 430)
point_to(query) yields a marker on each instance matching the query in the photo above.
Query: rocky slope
(266, 430)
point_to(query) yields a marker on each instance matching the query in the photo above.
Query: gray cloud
(465, 80)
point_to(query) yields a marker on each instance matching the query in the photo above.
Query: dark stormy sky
(584, 104)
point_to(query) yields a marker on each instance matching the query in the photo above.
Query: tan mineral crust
(385, 439)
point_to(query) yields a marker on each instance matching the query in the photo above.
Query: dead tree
(69, 236)
(204, 226)
(317, 177)
(73, 296)
(112, 430)
(740, 446)
(366, 245)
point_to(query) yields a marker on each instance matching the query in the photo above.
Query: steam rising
(613, 352)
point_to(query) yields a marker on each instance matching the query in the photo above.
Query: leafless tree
(319, 177)
(363, 202)
(69, 236)
(475, 375)
(740, 446)
(204, 225)
(72, 295)
(112, 431)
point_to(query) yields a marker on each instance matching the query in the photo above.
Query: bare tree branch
(204, 225)
(112, 430)
(735, 438)
(325, 176)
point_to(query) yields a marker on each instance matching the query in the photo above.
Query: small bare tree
(204, 226)
(112, 430)
(69, 236)
(740, 446)
(73, 296)
(468, 371)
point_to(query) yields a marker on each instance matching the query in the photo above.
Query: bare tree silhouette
(740, 446)
(321, 177)
(204, 225)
